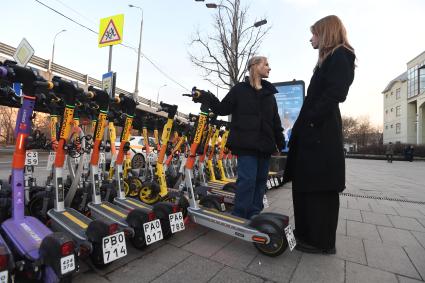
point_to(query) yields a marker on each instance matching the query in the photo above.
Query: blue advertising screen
(289, 100)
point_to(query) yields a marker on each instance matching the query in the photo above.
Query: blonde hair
(253, 74)
(332, 34)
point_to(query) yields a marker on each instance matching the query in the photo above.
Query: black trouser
(316, 218)
(390, 158)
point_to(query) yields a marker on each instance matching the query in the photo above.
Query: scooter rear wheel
(277, 244)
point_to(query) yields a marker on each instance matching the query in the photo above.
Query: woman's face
(314, 41)
(263, 68)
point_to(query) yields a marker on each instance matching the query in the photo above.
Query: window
(391, 126)
(386, 96)
(397, 128)
(398, 111)
(392, 109)
(391, 93)
(422, 79)
(386, 127)
(416, 80)
(397, 93)
(386, 112)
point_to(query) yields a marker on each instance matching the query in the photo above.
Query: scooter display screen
(289, 100)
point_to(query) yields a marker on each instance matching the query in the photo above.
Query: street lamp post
(157, 95)
(136, 88)
(53, 52)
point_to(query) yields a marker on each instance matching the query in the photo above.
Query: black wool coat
(255, 128)
(316, 159)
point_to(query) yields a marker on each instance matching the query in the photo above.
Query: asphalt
(380, 238)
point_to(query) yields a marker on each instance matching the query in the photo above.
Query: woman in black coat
(316, 164)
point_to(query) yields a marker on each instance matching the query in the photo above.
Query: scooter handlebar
(3, 72)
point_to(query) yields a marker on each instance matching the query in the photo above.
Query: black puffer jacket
(255, 128)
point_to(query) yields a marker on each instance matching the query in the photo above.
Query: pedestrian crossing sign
(110, 30)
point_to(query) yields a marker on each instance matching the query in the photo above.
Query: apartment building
(404, 105)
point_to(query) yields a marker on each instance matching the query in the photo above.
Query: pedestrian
(410, 153)
(389, 152)
(255, 133)
(316, 163)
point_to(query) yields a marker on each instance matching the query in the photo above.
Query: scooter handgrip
(3, 72)
(115, 100)
(50, 85)
(90, 94)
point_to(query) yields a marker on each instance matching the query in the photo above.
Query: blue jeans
(251, 185)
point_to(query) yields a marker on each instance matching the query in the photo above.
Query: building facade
(404, 105)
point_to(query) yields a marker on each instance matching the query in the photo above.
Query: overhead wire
(124, 45)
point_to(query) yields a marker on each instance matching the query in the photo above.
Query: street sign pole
(110, 33)
(110, 59)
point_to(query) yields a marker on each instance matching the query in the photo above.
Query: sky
(386, 34)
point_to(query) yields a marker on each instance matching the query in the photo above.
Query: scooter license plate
(176, 222)
(4, 275)
(31, 158)
(153, 231)
(290, 237)
(114, 247)
(67, 264)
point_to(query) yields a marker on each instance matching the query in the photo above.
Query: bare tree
(349, 128)
(223, 56)
(7, 124)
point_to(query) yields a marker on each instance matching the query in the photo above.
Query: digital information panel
(290, 98)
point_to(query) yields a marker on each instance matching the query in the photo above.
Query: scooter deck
(215, 185)
(131, 204)
(226, 223)
(222, 193)
(72, 221)
(218, 182)
(26, 235)
(224, 216)
(107, 210)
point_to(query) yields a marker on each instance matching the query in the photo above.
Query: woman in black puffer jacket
(255, 134)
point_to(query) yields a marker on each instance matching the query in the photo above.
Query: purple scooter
(40, 254)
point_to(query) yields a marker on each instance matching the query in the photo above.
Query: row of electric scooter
(47, 229)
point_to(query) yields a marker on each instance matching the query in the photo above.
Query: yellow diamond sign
(110, 30)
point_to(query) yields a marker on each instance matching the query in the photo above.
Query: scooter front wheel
(134, 185)
(277, 244)
(230, 187)
(149, 193)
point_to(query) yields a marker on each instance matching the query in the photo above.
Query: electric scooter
(98, 239)
(139, 226)
(155, 191)
(162, 210)
(39, 253)
(265, 231)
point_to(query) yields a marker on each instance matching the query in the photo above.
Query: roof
(401, 78)
(416, 58)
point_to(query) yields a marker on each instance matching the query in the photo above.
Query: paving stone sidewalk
(378, 240)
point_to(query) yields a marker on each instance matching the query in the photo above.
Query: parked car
(138, 151)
